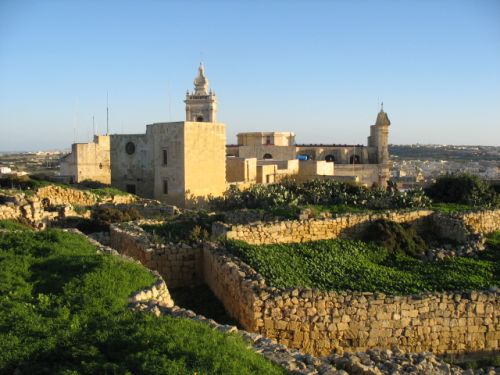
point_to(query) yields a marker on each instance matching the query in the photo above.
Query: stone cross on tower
(201, 105)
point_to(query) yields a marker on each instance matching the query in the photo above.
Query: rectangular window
(165, 187)
(130, 189)
(165, 157)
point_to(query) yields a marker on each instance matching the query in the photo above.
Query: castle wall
(205, 160)
(89, 161)
(168, 137)
(133, 169)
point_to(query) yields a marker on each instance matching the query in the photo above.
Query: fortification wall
(179, 264)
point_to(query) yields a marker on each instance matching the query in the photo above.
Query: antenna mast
(107, 115)
(93, 126)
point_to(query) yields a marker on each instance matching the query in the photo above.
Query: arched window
(330, 158)
(199, 118)
(354, 159)
(267, 156)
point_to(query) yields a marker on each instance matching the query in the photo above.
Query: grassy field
(63, 310)
(351, 265)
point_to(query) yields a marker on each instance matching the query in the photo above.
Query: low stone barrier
(457, 226)
(319, 322)
(310, 229)
(179, 264)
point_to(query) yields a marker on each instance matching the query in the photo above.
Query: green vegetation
(318, 192)
(107, 192)
(63, 310)
(474, 363)
(395, 237)
(191, 227)
(30, 184)
(13, 225)
(354, 265)
(463, 189)
(447, 208)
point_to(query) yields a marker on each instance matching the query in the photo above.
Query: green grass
(13, 225)
(474, 363)
(107, 192)
(447, 208)
(63, 310)
(352, 265)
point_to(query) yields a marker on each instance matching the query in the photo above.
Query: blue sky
(317, 68)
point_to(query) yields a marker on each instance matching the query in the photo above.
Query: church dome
(201, 82)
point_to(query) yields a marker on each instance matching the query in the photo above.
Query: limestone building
(184, 162)
(366, 164)
(180, 163)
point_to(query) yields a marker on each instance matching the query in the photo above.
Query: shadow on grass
(50, 276)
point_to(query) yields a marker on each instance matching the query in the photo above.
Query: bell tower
(201, 104)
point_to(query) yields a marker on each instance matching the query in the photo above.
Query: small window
(130, 188)
(199, 118)
(165, 157)
(130, 148)
(165, 187)
(354, 159)
(268, 140)
(330, 158)
(267, 156)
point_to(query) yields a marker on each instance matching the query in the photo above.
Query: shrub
(318, 192)
(190, 227)
(395, 237)
(102, 216)
(463, 188)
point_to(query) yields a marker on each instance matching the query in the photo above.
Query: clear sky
(317, 68)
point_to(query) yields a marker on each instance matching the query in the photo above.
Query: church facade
(183, 163)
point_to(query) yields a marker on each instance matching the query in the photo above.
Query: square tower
(189, 160)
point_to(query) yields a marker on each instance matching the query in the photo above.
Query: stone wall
(59, 195)
(457, 226)
(179, 264)
(319, 322)
(310, 229)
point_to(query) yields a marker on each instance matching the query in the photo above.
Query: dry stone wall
(310, 229)
(319, 322)
(179, 264)
(59, 195)
(458, 226)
